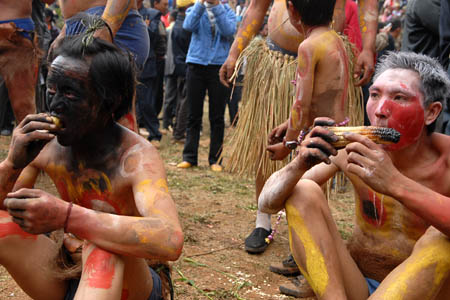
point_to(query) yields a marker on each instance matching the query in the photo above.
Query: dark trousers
(159, 86)
(233, 102)
(182, 110)
(200, 79)
(6, 113)
(170, 100)
(146, 109)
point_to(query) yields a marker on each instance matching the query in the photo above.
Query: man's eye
(51, 91)
(373, 95)
(399, 97)
(69, 95)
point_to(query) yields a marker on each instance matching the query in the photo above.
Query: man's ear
(292, 12)
(433, 111)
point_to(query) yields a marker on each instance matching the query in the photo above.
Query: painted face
(396, 102)
(70, 98)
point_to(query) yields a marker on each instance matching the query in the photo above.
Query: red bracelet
(69, 209)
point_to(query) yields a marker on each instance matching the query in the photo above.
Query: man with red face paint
(400, 247)
(112, 186)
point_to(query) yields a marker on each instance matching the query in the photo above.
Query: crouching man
(400, 248)
(112, 185)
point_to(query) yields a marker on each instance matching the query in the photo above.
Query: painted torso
(69, 8)
(330, 79)
(281, 32)
(385, 230)
(107, 188)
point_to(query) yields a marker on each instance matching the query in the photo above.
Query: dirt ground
(217, 212)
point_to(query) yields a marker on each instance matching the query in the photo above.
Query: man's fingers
(358, 159)
(25, 193)
(368, 71)
(42, 117)
(37, 125)
(323, 121)
(354, 137)
(319, 143)
(18, 213)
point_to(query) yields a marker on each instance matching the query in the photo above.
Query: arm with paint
(299, 118)
(155, 234)
(373, 165)
(339, 16)
(251, 23)
(316, 148)
(368, 21)
(114, 14)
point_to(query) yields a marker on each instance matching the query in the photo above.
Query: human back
(15, 9)
(71, 8)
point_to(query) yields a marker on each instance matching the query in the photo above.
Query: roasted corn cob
(56, 121)
(379, 135)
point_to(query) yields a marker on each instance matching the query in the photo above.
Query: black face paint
(70, 98)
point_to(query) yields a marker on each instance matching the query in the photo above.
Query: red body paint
(11, 228)
(372, 209)
(100, 269)
(124, 294)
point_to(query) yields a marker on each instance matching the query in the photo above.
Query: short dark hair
(112, 72)
(314, 12)
(152, 2)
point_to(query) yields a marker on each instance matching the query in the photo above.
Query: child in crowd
(322, 74)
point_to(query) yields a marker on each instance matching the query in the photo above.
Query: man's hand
(365, 61)
(278, 133)
(28, 139)
(36, 211)
(371, 163)
(227, 70)
(278, 151)
(316, 147)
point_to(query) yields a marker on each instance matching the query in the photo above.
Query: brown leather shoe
(287, 267)
(297, 287)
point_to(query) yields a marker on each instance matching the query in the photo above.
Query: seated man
(402, 199)
(111, 182)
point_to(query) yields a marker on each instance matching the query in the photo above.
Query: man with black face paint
(112, 185)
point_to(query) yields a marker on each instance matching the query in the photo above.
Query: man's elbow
(176, 245)
(266, 206)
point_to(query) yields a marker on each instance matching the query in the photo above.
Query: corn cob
(379, 135)
(56, 121)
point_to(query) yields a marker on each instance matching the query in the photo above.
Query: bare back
(17, 9)
(329, 96)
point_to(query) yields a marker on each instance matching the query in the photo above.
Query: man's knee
(11, 234)
(435, 241)
(100, 265)
(306, 197)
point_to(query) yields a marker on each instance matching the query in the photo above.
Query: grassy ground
(217, 212)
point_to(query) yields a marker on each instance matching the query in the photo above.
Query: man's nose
(383, 109)
(56, 105)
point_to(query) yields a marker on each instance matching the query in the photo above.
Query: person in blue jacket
(212, 25)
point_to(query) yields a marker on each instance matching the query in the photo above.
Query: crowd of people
(92, 86)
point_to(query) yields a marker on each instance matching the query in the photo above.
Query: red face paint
(100, 269)
(10, 228)
(407, 116)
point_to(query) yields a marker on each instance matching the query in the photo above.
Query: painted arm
(339, 16)
(373, 165)
(251, 23)
(155, 234)
(368, 21)
(314, 150)
(114, 14)
(299, 118)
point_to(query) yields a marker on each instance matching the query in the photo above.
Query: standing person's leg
(145, 92)
(218, 95)
(159, 86)
(170, 100)
(182, 111)
(195, 93)
(21, 91)
(318, 248)
(233, 103)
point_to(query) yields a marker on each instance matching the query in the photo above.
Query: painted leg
(28, 258)
(423, 275)
(102, 276)
(318, 248)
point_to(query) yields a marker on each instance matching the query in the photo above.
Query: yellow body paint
(316, 270)
(432, 256)
(362, 21)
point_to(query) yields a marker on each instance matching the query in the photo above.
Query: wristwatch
(291, 145)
